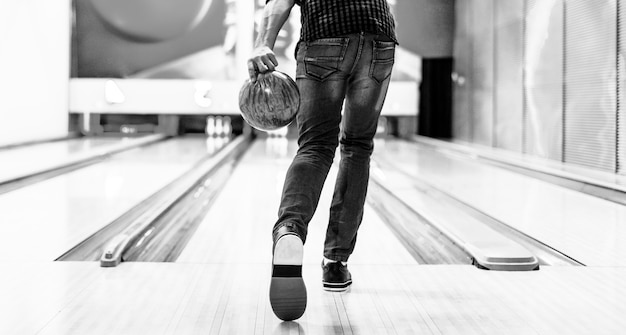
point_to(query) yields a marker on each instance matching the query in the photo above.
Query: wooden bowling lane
(584, 227)
(42, 221)
(221, 287)
(162, 233)
(238, 227)
(183, 298)
(27, 160)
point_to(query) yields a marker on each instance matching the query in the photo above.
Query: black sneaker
(336, 277)
(287, 289)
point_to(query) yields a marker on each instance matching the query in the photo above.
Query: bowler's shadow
(287, 327)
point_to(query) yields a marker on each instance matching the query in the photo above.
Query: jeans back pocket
(383, 55)
(323, 57)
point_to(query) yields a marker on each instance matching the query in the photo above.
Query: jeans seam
(382, 63)
(378, 46)
(336, 61)
(358, 53)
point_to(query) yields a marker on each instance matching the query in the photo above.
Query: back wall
(35, 65)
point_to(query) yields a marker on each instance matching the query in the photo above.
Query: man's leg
(318, 126)
(322, 84)
(365, 96)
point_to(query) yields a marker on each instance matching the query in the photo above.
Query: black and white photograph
(320, 167)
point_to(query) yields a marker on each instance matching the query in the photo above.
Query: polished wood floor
(177, 298)
(220, 283)
(586, 228)
(44, 220)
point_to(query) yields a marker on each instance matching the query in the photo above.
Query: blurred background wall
(425, 27)
(130, 39)
(542, 77)
(34, 69)
(188, 58)
(120, 39)
(176, 44)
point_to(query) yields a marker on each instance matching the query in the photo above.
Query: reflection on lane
(142, 213)
(44, 220)
(558, 217)
(237, 229)
(24, 159)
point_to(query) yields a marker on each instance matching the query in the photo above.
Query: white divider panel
(169, 96)
(153, 96)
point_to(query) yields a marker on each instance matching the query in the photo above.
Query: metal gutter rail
(423, 241)
(167, 237)
(77, 161)
(488, 248)
(114, 250)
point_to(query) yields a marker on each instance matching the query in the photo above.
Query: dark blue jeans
(351, 71)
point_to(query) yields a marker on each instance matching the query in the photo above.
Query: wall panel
(483, 71)
(462, 120)
(508, 91)
(34, 68)
(621, 102)
(543, 78)
(425, 27)
(591, 86)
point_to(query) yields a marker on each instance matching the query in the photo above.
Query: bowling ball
(271, 102)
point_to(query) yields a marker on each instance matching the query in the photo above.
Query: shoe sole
(287, 290)
(337, 287)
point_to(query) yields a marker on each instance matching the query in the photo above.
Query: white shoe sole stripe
(344, 284)
(337, 289)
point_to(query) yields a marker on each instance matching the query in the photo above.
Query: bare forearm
(275, 14)
(263, 58)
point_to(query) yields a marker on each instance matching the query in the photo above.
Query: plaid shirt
(331, 18)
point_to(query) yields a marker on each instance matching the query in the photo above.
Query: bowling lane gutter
(167, 236)
(69, 136)
(76, 162)
(133, 229)
(492, 244)
(485, 248)
(426, 243)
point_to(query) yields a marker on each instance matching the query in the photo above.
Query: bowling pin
(227, 126)
(210, 126)
(219, 126)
